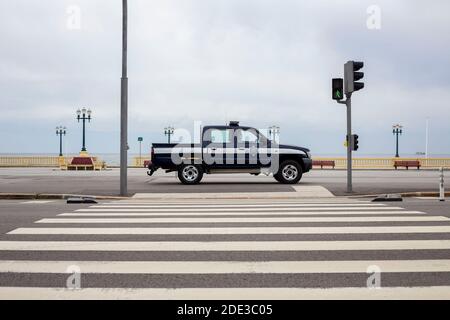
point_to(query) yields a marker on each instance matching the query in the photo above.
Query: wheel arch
(295, 157)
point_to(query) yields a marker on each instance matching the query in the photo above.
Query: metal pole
(140, 150)
(426, 139)
(169, 137)
(396, 148)
(349, 143)
(84, 133)
(124, 104)
(441, 185)
(60, 144)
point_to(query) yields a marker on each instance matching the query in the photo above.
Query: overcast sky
(262, 62)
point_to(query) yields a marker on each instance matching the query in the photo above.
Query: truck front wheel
(190, 174)
(290, 172)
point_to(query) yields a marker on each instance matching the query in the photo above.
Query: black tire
(190, 174)
(290, 172)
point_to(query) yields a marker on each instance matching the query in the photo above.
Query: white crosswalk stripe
(193, 250)
(243, 219)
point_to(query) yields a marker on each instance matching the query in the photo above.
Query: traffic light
(338, 89)
(351, 76)
(355, 142)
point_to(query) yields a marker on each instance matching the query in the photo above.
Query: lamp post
(273, 132)
(124, 104)
(60, 131)
(168, 131)
(397, 130)
(84, 115)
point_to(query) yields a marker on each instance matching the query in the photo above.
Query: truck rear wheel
(190, 174)
(290, 172)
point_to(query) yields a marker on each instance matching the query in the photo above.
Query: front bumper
(307, 162)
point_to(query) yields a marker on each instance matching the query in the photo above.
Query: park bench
(323, 163)
(407, 164)
(81, 163)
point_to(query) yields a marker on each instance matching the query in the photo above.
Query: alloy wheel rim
(190, 173)
(290, 172)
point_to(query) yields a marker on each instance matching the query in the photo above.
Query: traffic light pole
(351, 84)
(349, 143)
(348, 104)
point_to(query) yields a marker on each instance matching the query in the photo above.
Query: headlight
(308, 154)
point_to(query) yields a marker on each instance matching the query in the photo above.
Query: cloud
(262, 62)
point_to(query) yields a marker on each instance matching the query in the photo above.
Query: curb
(404, 195)
(51, 196)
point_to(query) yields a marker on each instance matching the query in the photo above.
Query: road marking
(38, 201)
(413, 293)
(239, 202)
(215, 206)
(214, 267)
(236, 230)
(315, 213)
(224, 245)
(233, 209)
(245, 219)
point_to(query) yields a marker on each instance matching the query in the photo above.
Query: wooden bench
(323, 163)
(84, 163)
(407, 164)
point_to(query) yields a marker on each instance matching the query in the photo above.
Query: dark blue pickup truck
(231, 149)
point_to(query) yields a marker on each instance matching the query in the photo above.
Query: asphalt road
(45, 180)
(204, 249)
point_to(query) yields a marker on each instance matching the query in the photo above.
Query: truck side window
(220, 136)
(247, 136)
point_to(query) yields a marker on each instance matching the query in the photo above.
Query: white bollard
(441, 185)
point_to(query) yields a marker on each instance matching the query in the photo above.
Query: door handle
(241, 149)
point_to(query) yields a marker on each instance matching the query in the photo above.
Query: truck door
(246, 141)
(217, 142)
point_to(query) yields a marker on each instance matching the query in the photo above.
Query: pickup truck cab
(231, 149)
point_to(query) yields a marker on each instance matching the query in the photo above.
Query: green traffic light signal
(338, 89)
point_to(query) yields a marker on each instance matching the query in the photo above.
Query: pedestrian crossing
(229, 249)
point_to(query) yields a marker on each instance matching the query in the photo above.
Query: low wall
(139, 161)
(29, 162)
(17, 161)
(341, 163)
(386, 163)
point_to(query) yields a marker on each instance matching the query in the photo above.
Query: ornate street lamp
(273, 132)
(396, 131)
(168, 131)
(84, 114)
(60, 131)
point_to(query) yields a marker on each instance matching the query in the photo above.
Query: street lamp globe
(79, 112)
(83, 110)
(89, 112)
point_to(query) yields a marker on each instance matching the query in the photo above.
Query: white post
(441, 185)
(426, 139)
